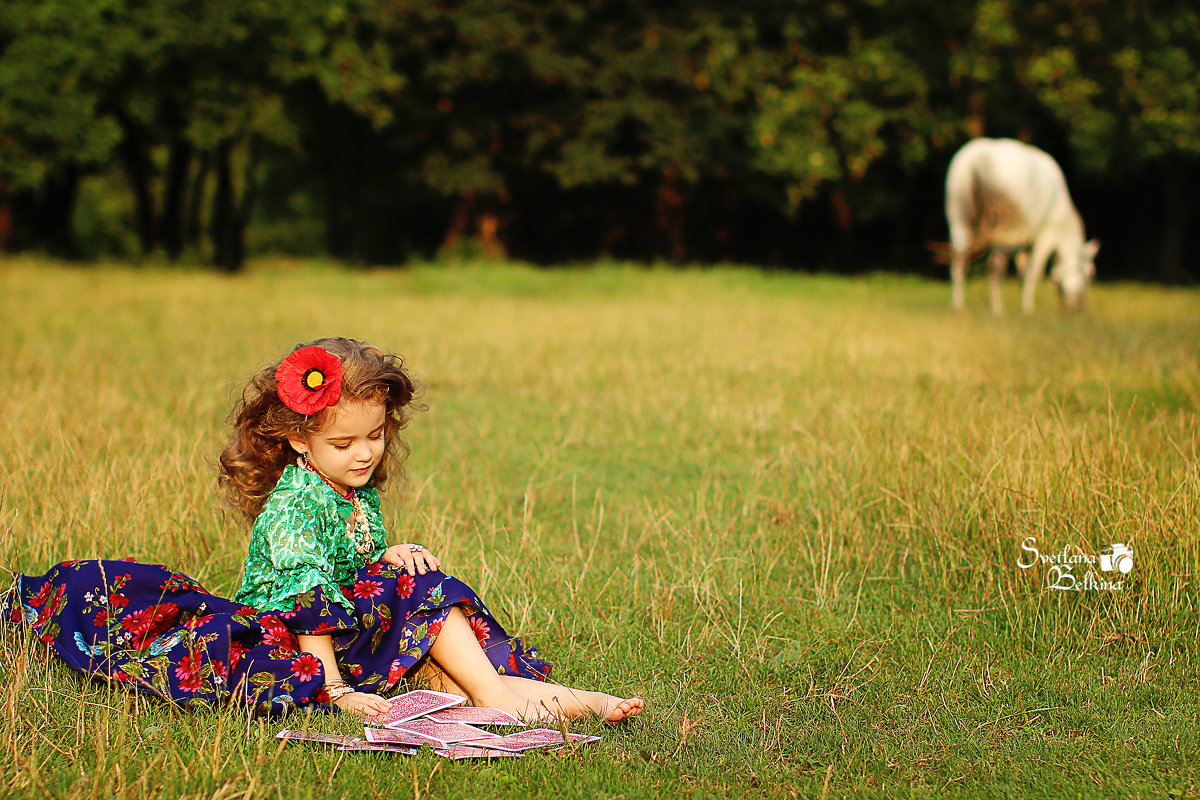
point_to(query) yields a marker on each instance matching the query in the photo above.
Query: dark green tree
(1121, 80)
(54, 59)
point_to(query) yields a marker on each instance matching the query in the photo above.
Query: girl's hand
(417, 562)
(368, 705)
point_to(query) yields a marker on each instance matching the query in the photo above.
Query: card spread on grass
(400, 737)
(537, 737)
(475, 715)
(461, 751)
(416, 704)
(314, 736)
(444, 732)
(381, 747)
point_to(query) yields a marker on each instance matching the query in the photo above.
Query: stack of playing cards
(531, 740)
(342, 742)
(441, 721)
(415, 704)
(472, 715)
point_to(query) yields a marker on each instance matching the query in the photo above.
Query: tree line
(795, 133)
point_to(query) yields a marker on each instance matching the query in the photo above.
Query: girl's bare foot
(564, 702)
(625, 709)
(537, 701)
(614, 709)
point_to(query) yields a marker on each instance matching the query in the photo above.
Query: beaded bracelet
(336, 690)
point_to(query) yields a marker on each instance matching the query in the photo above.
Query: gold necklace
(358, 527)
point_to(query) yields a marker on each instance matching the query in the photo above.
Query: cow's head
(1073, 273)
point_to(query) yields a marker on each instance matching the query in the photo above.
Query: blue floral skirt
(160, 632)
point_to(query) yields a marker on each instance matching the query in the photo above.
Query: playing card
(313, 736)
(528, 740)
(415, 704)
(444, 732)
(475, 716)
(461, 751)
(400, 737)
(381, 747)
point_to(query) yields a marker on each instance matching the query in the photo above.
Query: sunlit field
(786, 510)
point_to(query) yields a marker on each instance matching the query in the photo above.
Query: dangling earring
(307, 463)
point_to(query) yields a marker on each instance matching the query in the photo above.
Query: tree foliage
(805, 132)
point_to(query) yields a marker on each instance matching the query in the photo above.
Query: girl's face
(348, 449)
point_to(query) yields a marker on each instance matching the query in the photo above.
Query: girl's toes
(625, 709)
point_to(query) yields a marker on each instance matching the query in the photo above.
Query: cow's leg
(958, 278)
(997, 266)
(1022, 262)
(1033, 273)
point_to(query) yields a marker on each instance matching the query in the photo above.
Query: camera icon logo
(1117, 557)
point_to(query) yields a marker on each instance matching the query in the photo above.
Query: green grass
(786, 510)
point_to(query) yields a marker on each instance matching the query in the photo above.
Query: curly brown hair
(258, 448)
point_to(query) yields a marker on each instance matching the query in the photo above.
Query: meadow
(787, 510)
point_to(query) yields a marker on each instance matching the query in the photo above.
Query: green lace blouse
(300, 542)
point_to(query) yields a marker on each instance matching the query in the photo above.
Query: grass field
(786, 510)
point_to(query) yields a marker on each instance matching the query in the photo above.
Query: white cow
(1003, 195)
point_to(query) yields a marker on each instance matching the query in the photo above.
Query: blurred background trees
(804, 134)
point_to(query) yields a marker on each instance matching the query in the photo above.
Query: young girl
(327, 612)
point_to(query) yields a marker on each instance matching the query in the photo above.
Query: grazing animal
(1005, 196)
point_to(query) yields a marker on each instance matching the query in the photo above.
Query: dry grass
(785, 509)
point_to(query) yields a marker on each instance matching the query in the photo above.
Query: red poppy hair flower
(309, 379)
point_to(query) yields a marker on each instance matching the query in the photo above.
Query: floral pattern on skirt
(162, 633)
